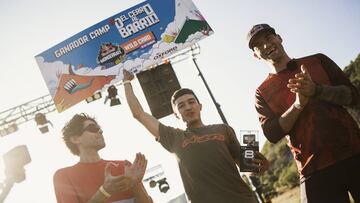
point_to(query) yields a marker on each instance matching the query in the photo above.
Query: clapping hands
(114, 184)
(136, 170)
(133, 175)
(303, 86)
(302, 83)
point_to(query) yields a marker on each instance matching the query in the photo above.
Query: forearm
(150, 122)
(340, 95)
(98, 197)
(288, 119)
(133, 102)
(140, 194)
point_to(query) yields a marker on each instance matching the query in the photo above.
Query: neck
(87, 156)
(280, 64)
(195, 124)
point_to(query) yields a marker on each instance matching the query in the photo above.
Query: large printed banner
(134, 39)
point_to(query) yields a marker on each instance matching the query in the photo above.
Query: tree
(352, 71)
(282, 172)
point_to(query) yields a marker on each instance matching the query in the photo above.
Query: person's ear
(281, 40)
(200, 107)
(75, 139)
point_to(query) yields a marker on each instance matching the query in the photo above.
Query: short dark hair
(180, 92)
(73, 128)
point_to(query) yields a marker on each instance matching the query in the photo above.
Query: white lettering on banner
(162, 54)
(138, 24)
(75, 44)
(144, 39)
(112, 55)
(129, 46)
(148, 10)
(100, 31)
(136, 12)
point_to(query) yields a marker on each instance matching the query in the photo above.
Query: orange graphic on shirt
(204, 138)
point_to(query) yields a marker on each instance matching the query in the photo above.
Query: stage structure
(13, 117)
(10, 119)
(155, 176)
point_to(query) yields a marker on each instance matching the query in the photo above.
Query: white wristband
(298, 106)
(126, 82)
(103, 191)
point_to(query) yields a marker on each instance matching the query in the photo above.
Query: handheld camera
(248, 151)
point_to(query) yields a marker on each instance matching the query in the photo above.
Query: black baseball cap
(256, 29)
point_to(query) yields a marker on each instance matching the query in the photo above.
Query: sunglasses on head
(93, 128)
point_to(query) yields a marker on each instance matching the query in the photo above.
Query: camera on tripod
(248, 150)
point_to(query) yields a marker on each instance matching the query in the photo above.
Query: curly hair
(73, 128)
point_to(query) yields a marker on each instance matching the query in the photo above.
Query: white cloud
(51, 72)
(185, 9)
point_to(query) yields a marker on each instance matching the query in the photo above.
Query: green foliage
(282, 172)
(352, 71)
(290, 177)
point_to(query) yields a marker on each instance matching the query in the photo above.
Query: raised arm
(150, 122)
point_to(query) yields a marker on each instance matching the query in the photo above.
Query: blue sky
(30, 27)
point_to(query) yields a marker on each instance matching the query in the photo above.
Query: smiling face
(268, 46)
(188, 109)
(91, 138)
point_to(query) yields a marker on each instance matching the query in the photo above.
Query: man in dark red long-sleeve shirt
(302, 99)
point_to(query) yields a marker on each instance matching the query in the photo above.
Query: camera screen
(248, 138)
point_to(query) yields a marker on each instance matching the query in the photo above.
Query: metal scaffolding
(11, 118)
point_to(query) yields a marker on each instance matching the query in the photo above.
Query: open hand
(303, 86)
(127, 75)
(136, 170)
(302, 83)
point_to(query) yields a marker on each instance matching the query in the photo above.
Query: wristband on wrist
(126, 82)
(103, 191)
(298, 106)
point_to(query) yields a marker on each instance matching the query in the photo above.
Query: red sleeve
(338, 77)
(268, 120)
(64, 191)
